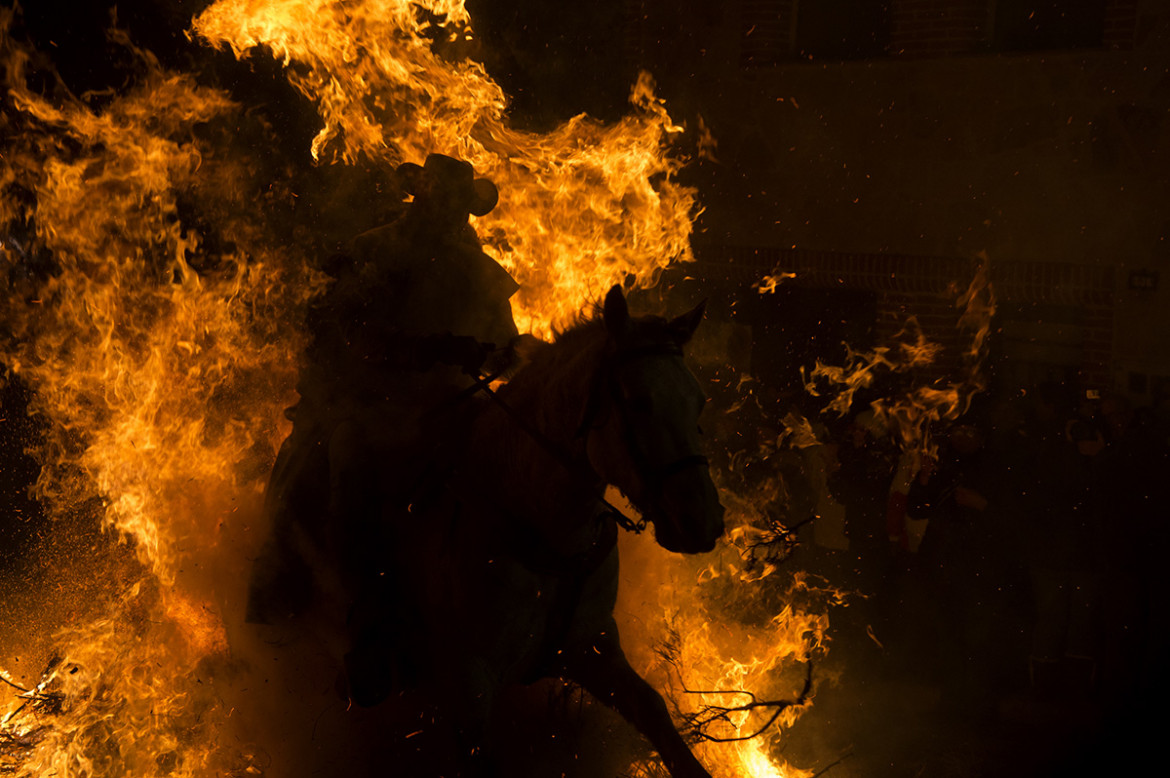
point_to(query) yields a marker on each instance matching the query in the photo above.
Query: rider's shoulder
(389, 246)
(488, 275)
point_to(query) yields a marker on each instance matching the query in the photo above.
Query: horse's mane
(554, 393)
(555, 383)
(558, 372)
(590, 323)
(587, 331)
(585, 324)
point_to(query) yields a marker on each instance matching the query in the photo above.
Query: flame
(132, 352)
(115, 706)
(912, 413)
(912, 349)
(581, 207)
(769, 283)
(707, 142)
(798, 431)
(161, 366)
(711, 663)
(720, 669)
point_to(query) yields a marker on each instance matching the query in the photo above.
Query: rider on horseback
(409, 321)
(507, 571)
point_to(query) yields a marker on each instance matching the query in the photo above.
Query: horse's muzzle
(690, 516)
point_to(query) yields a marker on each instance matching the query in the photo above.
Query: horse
(509, 571)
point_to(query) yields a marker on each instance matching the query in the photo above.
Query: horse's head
(644, 435)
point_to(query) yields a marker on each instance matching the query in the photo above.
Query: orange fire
(769, 283)
(911, 414)
(162, 385)
(581, 207)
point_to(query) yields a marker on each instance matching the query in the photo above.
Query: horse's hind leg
(602, 669)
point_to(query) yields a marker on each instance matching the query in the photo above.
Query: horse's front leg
(602, 669)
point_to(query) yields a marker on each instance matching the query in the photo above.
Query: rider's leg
(296, 502)
(363, 547)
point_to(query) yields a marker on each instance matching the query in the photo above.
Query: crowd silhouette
(1022, 563)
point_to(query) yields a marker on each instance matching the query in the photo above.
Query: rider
(413, 315)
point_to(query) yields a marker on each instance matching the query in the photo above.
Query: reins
(483, 383)
(654, 477)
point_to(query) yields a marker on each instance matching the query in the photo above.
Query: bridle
(653, 476)
(607, 383)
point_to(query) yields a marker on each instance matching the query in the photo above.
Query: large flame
(162, 385)
(581, 207)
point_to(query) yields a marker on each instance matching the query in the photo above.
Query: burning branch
(771, 546)
(23, 729)
(696, 723)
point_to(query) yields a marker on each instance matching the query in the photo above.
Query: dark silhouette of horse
(508, 573)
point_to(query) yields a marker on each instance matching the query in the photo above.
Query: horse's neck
(537, 463)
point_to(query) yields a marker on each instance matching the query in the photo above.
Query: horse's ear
(615, 312)
(684, 326)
